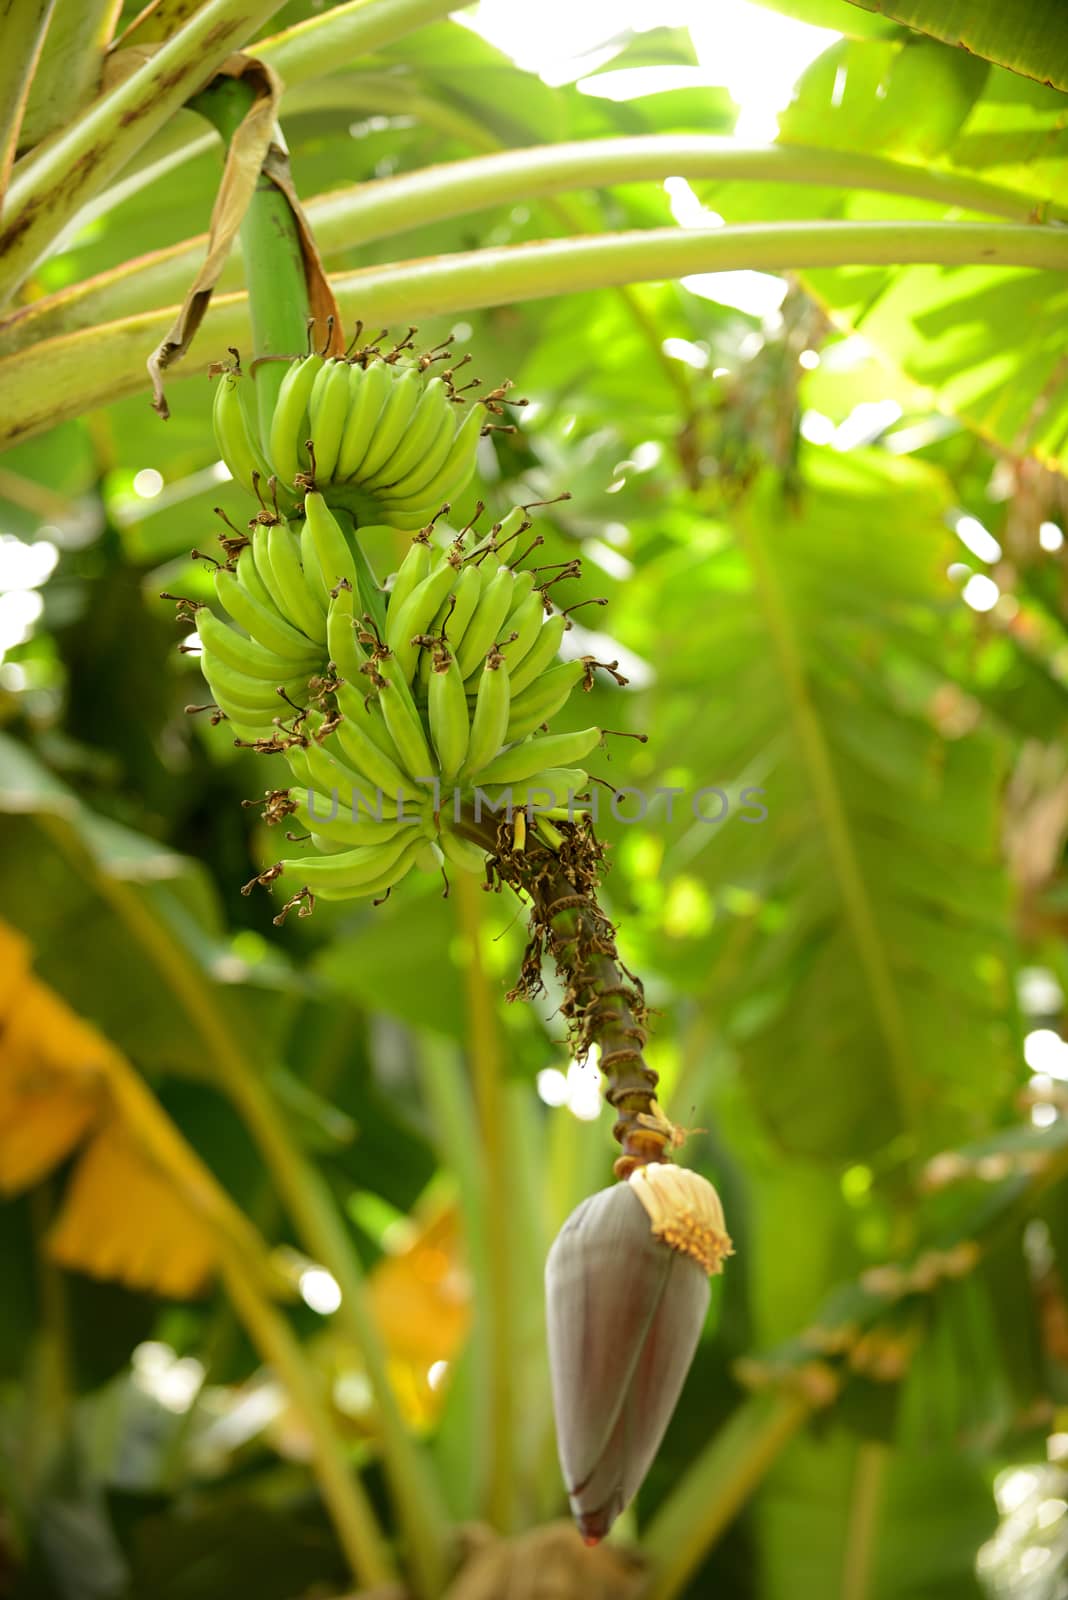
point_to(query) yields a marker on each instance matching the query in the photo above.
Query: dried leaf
(252, 150)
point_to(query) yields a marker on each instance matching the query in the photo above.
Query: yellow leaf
(142, 1207)
(122, 1219)
(52, 1071)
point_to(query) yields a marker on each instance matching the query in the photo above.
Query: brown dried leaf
(245, 158)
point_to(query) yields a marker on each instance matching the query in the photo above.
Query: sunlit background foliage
(828, 514)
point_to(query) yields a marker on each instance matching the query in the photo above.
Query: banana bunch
(387, 439)
(400, 713)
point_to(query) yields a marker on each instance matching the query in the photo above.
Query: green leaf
(907, 99)
(1028, 36)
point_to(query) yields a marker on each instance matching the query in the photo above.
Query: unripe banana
(328, 409)
(432, 416)
(541, 652)
(346, 652)
(331, 547)
(522, 584)
(434, 460)
(522, 761)
(250, 580)
(448, 716)
(456, 620)
(369, 390)
(526, 624)
(491, 716)
(394, 419)
(354, 872)
(379, 770)
(542, 699)
(313, 572)
(414, 617)
(483, 630)
(292, 595)
(413, 569)
(452, 619)
(289, 422)
(248, 693)
(316, 812)
(549, 790)
(249, 655)
(340, 768)
(424, 496)
(488, 567)
(328, 885)
(258, 532)
(405, 726)
(263, 625)
(462, 853)
(236, 435)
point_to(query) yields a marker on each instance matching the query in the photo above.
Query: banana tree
(429, 688)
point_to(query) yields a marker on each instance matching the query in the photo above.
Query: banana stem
(271, 253)
(603, 1002)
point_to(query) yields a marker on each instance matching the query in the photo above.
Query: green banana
(522, 761)
(548, 790)
(328, 408)
(523, 583)
(313, 573)
(313, 812)
(431, 416)
(328, 884)
(393, 420)
(448, 716)
(352, 870)
(248, 655)
(541, 652)
(414, 617)
(422, 494)
(335, 559)
(373, 597)
(374, 766)
(250, 694)
(346, 652)
(416, 565)
(490, 718)
(482, 631)
(369, 389)
(451, 620)
(258, 534)
(337, 769)
(263, 625)
(405, 727)
(434, 462)
(462, 853)
(292, 595)
(455, 622)
(235, 434)
(526, 623)
(250, 580)
(289, 422)
(542, 699)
